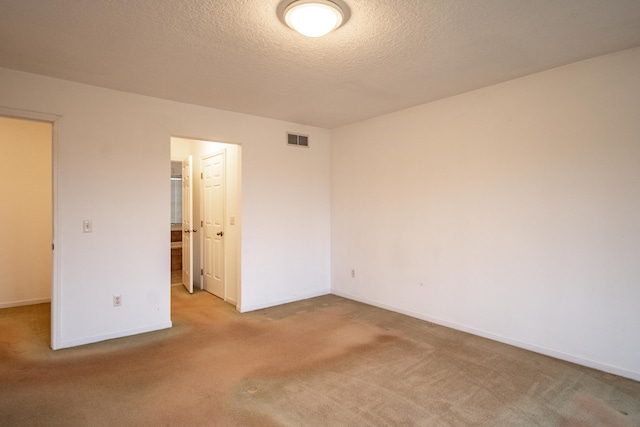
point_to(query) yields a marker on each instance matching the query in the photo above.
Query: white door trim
(56, 288)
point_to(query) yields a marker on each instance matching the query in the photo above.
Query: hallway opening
(26, 193)
(205, 216)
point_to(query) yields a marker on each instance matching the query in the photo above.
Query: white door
(213, 184)
(187, 223)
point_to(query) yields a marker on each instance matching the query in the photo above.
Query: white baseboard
(527, 346)
(247, 308)
(24, 302)
(119, 334)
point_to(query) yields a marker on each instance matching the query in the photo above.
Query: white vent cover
(295, 139)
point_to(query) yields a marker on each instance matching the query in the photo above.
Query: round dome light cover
(313, 18)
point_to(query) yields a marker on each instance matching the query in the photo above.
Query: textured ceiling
(237, 55)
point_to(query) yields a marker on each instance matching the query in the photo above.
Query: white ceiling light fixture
(313, 18)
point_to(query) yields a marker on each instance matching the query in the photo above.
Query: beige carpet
(326, 361)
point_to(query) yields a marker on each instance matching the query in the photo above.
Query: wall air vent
(295, 139)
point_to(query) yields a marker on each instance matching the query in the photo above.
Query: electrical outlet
(353, 273)
(117, 300)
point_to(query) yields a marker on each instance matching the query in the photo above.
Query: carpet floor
(326, 361)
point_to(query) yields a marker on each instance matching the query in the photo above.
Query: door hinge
(201, 272)
(53, 246)
(201, 175)
(201, 223)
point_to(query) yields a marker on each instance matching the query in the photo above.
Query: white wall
(112, 166)
(512, 212)
(25, 215)
(180, 149)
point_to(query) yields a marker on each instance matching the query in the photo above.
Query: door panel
(213, 168)
(187, 223)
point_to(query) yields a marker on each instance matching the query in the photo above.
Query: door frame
(237, 245)
(56, 289)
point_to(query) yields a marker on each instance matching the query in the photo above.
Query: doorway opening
(206, 217)
(27, 255)
(176, 222)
